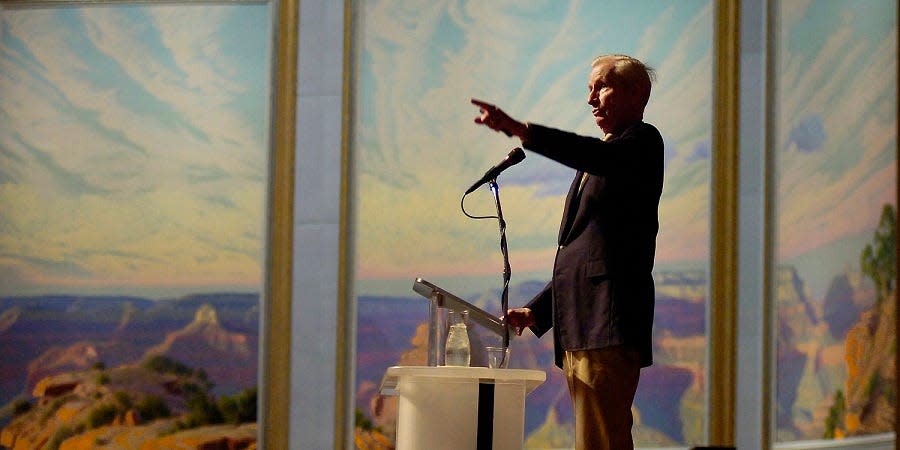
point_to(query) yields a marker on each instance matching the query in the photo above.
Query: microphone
(514, 157)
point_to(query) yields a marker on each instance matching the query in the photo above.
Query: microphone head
(515, 156)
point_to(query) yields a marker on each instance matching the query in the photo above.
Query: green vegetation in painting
(870, 401)
(879, 259)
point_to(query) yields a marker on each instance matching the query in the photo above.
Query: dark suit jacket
(601, 293)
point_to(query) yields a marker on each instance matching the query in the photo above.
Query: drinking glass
(498, 357)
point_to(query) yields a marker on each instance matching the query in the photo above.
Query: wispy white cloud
(417, 148)
(789, 13)
(124, 157)
(848, 80)
(655, 33)
(196, 88)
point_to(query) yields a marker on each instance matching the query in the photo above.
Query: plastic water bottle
(457, 349)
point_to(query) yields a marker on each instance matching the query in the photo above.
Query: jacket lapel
(570, 209)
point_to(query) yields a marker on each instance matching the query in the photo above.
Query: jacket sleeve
(542, 310)
(594, 155)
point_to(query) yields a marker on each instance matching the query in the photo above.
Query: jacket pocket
(595, 269)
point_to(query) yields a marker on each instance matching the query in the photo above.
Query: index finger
(481, 103)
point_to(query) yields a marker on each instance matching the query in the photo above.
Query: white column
(316, 224)
(751, 401)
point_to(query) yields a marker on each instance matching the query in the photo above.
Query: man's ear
(639, 98)
(636, 98)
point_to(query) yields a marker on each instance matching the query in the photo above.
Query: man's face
(611, 99)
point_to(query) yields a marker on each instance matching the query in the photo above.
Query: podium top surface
(448, 300)
(531, 378)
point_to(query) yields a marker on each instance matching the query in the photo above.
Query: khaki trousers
(602, 383)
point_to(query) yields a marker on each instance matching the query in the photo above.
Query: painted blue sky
(835, 131)
(417, 149)
(133, 138)
(133, 147)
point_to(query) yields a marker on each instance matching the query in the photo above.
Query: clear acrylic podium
(484, 329)
(460, 408)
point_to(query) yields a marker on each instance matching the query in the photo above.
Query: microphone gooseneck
(514, 157)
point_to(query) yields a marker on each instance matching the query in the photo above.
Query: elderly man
(600, 299)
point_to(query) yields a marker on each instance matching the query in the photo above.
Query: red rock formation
(54, 386)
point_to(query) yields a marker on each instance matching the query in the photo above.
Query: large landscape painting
(835, 189)
(134, 156)
(416, 150)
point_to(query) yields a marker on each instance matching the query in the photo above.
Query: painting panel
(415, 150)
(834, 152)
(134, 175)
